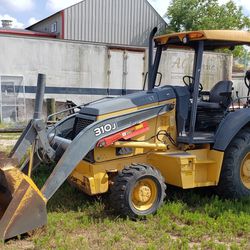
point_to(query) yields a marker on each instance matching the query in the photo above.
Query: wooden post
(51, 108)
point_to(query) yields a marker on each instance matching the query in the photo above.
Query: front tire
(138, 190)
(235, 174)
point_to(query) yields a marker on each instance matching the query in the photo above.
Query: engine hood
(129, 101)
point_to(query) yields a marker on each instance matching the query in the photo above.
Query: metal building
(126, 22)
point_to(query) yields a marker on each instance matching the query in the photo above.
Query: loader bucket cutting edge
(22, 205)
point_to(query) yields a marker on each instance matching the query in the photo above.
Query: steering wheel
(189, 82)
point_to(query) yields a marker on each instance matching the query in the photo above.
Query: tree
(207, 14)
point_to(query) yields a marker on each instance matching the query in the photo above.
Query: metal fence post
(41, 83)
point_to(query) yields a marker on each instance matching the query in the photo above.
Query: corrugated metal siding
(125, 22)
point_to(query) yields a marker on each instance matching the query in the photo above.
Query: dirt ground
(5, 147)
(2, 155)
(7, 143)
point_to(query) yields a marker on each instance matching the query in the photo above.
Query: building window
(53, 27)
(8, 89)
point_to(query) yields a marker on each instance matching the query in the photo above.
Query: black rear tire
(234, 181)
(138, 190)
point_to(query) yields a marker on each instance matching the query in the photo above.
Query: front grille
(81, 122)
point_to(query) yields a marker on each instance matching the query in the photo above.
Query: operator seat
(210, 113)
(219, 96)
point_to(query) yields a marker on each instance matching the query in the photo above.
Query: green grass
(7, 141)
(187, 220)
(9, 136)
(12, 124)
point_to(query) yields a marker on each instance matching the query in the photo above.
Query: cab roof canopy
(213, 39)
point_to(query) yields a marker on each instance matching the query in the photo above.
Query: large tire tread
(118, 191)
(230, 184)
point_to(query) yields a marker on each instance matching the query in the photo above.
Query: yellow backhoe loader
(134, 145)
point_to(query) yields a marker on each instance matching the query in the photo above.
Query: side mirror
(248, 75)
(158, 79)
(247, 80)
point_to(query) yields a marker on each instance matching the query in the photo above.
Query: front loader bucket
(22, 205)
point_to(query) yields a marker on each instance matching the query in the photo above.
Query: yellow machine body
(181, 167)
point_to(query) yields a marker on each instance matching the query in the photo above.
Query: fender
(229, 127)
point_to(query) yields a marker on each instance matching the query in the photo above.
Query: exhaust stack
(151, 81)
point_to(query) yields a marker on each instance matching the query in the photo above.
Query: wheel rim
(245, 171)
(144, 194)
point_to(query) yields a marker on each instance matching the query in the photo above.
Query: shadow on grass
(204, 199)
(68, 198)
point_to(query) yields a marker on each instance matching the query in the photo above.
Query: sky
(24, 13)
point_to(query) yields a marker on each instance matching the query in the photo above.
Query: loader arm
(36, 128)
(86, 141)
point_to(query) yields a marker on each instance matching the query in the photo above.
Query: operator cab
(199, 113)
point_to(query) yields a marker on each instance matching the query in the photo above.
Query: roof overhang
(21, 32)
(213, 39)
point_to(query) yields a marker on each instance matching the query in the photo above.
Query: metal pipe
(58, 141)
(156, 63)
(196, 74)
(62, 111)
(135, 144)
(31, 161)
(41, 84)
(150, 59)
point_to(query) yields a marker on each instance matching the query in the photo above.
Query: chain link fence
(12, 99)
